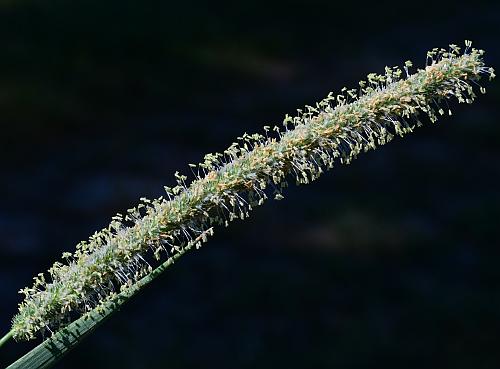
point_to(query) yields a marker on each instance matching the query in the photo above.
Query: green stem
(5, 338)
(55, 347)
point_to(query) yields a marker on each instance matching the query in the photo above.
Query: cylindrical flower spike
(228, 184)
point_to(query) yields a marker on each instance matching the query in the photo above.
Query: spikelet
(229, 184)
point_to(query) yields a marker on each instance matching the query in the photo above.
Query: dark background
(390, 262)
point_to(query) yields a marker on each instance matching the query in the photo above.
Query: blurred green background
(390, 262)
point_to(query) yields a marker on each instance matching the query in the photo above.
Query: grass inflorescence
(228, 185)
